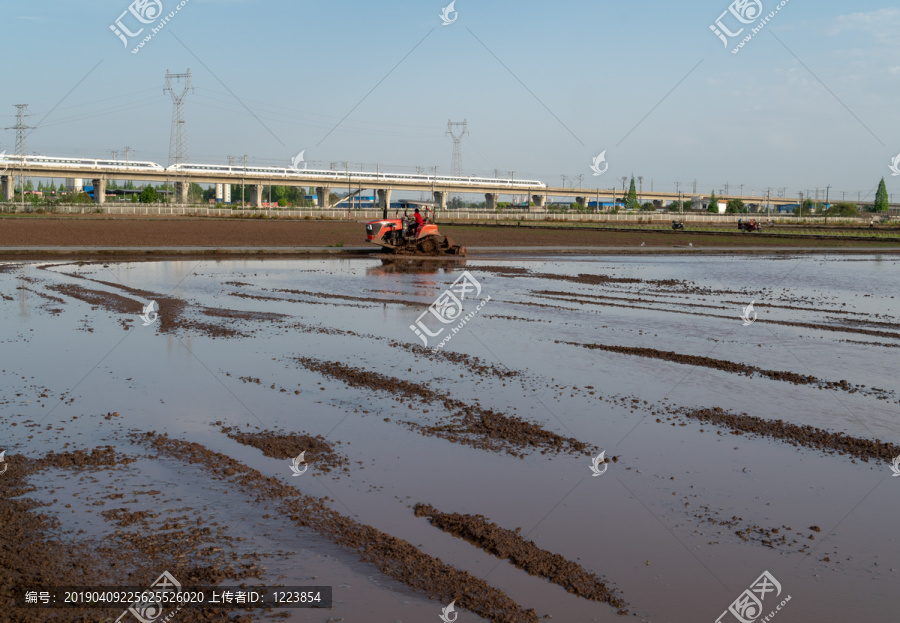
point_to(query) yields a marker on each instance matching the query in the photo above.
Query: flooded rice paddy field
(723, 447)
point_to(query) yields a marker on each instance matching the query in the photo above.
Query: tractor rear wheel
(428, 245)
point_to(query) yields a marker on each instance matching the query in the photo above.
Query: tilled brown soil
(729, 366)
(807, 436)
(392, 556)
(510, 545)
(466, 424)
(150, 231)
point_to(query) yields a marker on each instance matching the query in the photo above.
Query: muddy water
(659, 526)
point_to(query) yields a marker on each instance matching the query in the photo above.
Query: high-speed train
(352, 177)
(80, 164)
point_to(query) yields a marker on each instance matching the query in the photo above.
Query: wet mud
(732, 367)
(35, 552)
(466, 423)
(318, 452)
(392, 556)
(796, 435)
(510, 545)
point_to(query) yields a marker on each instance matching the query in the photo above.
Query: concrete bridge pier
(322, 195)
(490, 201)
(9, 187)
(581, 200)
(384, 201)
(538, 201)
(99, 190)
(181, 192)
(440, 198)
(256, 192)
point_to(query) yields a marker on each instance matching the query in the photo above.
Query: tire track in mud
(796, 435)
(734, 368)
(392, 556)
(525, 555)
(493, 430)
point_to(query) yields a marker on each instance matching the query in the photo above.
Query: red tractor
(403, 236)
(749, 226)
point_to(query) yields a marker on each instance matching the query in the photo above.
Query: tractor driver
(419, 220)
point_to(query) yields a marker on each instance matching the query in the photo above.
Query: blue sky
(544, 87)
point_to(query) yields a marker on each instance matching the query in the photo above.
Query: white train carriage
(352, 176)
(79, 164)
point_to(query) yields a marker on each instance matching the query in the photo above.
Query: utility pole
(695, 187)
(641, 188)
(726, 188)
(243, 196)
(127, 154)
(624, 179)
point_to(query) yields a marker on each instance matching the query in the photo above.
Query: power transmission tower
(456, 165)
(21, 132)
(21, 128)
(127, 153)
(178, 149)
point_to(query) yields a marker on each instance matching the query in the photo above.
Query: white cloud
(881, 24)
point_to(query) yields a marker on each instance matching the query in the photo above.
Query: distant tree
(149, 195)
(30, 186)
(456, 203)
(195, 192)
(843, 208)
(631, 201)
(809, 205)
(881, 198)
(134, 198)
(713, 203)
(648, 205)
(735, 206)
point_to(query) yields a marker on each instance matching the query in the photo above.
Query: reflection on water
(409, 265)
